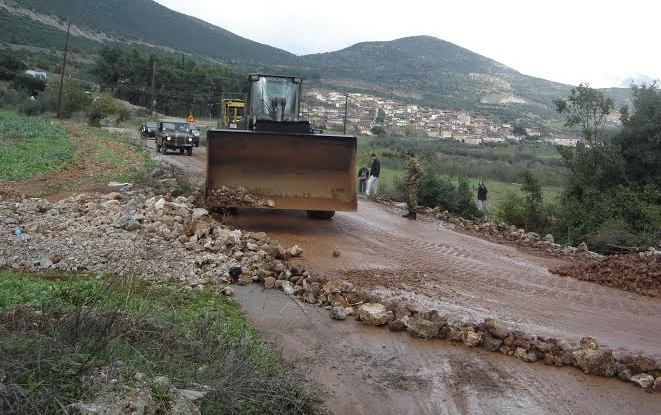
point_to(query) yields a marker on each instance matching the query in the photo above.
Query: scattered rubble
(637, 273)
(237, 197)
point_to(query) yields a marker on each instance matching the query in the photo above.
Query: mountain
(433, 71)
(420, 69)
(143, 23)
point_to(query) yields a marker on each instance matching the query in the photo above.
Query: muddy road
(367, 370)
(364, 370)
(431, 265)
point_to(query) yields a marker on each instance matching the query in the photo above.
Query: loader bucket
(314, 172)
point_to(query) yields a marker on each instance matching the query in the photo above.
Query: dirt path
(366, 370)
(462, 276)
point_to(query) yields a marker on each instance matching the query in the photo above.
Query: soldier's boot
(407, 215)
(412, 215)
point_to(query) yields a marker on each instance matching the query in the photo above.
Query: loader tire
(321, 214)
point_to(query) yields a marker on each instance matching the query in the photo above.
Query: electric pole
(153, 83)
(64, 65)
(346, 107)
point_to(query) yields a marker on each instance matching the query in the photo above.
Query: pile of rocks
(639, 273)
(237, 197)
(131, 233)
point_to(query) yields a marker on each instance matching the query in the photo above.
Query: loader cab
(274, 104)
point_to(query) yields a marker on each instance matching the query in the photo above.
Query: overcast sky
(571, 41)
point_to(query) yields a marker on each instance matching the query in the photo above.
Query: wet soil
(367, 370)
(433, 267)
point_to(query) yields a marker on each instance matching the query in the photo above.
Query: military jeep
(174, 135)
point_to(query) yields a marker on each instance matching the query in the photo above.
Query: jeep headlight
(190, 139)
(168, 138)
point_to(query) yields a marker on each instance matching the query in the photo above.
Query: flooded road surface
(366, 370)
(428, 264)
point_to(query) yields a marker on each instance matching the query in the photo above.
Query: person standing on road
(482, 196)
(363, 175)
(375, 170)
(411, 180)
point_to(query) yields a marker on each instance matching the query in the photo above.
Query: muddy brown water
(367, 370)
(429, 264)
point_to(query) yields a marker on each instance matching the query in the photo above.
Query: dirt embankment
(638, 273)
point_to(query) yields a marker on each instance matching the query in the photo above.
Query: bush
(101, 108)
(10, 97)
(511, 210)
(31, 107)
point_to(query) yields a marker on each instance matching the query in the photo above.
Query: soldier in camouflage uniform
(411, 180)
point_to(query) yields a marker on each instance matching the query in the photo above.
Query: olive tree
(588, 108)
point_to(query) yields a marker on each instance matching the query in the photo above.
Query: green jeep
(174, 135)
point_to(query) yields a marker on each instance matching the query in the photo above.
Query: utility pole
(64, 65)
(153, 83)
(346, 107)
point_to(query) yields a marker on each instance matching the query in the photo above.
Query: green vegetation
(613, 200)
(182, 85)
(30, 147)
(57, 329)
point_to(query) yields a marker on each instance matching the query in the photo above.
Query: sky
(604, 43)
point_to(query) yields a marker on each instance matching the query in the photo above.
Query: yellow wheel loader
(279, 161)
(233, 111)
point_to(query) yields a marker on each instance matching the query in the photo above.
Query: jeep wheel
(181, 151)
(189, 151)
(164, 149)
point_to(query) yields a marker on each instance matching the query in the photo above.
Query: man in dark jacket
(363, 175)
(375, 170)
(482, 196)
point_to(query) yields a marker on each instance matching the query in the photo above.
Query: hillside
(143, 23)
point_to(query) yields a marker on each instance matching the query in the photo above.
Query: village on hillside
(367, 115)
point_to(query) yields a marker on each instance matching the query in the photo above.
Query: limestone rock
(338, 313)
(471, 338)
(374, 314)
(295, 251)
(594, 359)
(491, 343)
(496, 328)
(643, 380)
(421, 327)
(269, 282)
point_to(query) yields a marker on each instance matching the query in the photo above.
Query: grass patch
(57, 329)
(31, 146)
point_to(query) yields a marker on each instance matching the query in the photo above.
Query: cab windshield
(178, 127)
(274, 98)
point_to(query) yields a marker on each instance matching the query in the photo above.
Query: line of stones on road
(342, 300)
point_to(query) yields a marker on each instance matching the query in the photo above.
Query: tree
(519, 130)
(533, 201)
(640, 138)
(588, 108)
(378, 131)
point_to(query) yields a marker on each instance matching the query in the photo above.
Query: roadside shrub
(11, 96)
(106, 106)
(74, 98)
(511, 210)
(31, 107)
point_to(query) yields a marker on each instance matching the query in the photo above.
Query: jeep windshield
(151, 125)
(175, 127)
(274, 98)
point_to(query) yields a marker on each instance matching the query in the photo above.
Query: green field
(31, 146)
(498, 165)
